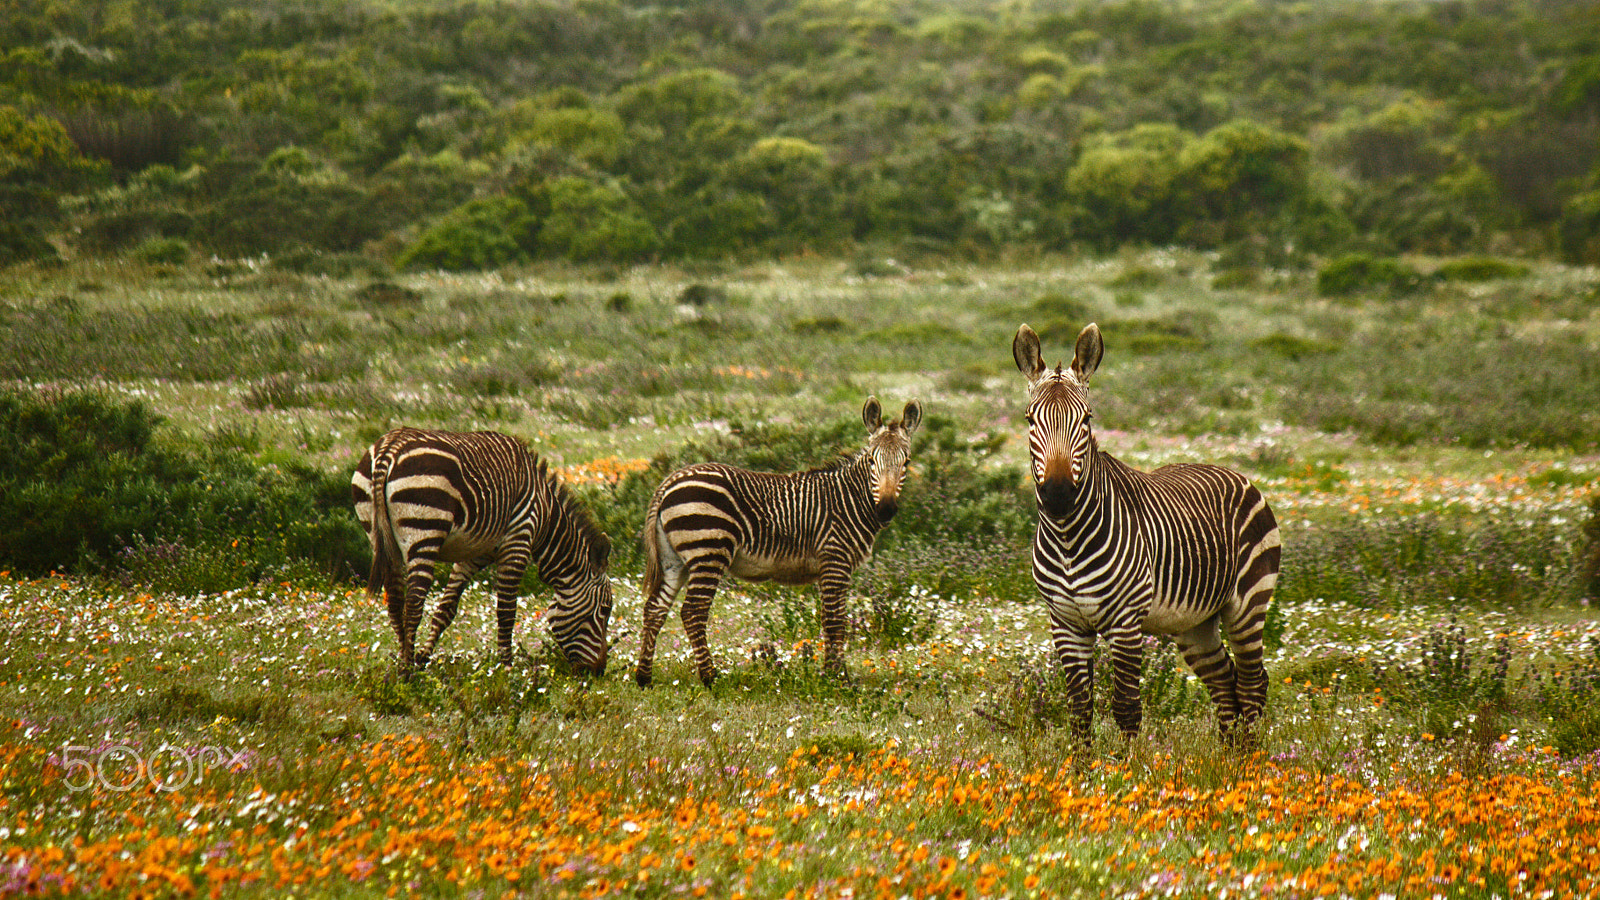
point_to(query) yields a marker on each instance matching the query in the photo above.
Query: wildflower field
(216, 716)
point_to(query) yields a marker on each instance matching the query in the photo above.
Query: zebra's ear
(600, 550)
(1025, 350)
(872, 414)
(911, 418)
(1088, 352)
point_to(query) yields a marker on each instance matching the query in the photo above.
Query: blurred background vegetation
(1370, 219)
(467, 135)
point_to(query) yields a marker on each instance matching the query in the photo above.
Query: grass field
(1433, 726)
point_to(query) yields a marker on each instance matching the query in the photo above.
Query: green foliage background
(410, 130)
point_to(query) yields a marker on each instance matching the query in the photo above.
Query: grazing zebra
(1186, 550)
(708, 520)
(426, 497)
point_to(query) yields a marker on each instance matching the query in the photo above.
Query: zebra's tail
(384, 549)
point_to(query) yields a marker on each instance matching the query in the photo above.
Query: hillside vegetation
(468, 135)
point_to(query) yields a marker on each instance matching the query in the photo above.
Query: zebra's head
(1060, 436)
(581, 612)
(887, 454)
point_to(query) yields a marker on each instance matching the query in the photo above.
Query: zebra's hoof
(642, 678)
(420, 661)
(708, 678)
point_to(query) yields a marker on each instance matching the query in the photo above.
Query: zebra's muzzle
(590, 668)
(887, 507)
(1057, 497)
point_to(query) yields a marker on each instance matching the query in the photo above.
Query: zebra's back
(770, 524)
(471, 488)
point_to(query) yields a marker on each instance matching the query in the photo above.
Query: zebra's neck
(855, 481)
(563, 549)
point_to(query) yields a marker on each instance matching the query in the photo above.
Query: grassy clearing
(1433, 719)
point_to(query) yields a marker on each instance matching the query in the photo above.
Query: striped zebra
(709, 520)
(1186, 550)
(472, 499)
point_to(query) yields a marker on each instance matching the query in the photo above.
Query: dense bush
(38, 163)
(787, 128)
(479, 234)
(89, 486)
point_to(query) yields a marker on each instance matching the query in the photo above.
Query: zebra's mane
(843, 460)
(580, 516)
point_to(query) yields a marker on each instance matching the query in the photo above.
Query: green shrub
(1432, 558)
(1591, 551)
(480, 234)
(163, 251)
(1451, 683)
(88, 486)
(1293, 347)
(1569, 698)
(584, 221)
(22, 242)
(1579, 229)
(1481, 268)
(1358, 272)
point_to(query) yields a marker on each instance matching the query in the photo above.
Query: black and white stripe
(475, 499)
(709, 520)
(1188, 550)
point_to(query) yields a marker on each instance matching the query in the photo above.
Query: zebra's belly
(460, 546)
(1171, 617)
(782, 569)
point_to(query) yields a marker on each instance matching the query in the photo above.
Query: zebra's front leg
(1075, 652)
(513, 562)
(460, 576)
(1127, 663)
(834, 585)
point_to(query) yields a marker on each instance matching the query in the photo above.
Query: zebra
(1187, 550)
(472, 499)
(709, 520)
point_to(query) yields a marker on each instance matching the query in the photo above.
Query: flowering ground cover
(255, 743)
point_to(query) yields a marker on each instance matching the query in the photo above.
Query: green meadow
(199, 696)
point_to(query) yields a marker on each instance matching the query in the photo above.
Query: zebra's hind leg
(656, 607)
(394, 596)
(445, 613)
(1203, 650)
(704, 577)
(1245, 637)
(419, 580)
